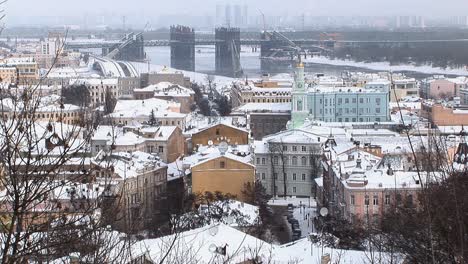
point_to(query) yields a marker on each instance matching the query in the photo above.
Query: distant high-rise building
(245, 15)
(219, 15)
(237, 16)
(227, 15)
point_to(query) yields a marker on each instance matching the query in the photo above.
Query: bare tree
(49, 199)
(278, 157)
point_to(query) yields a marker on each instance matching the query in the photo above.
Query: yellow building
(221, 132)
(8, 75)
(26, 67)
(67, 113)
(226, 173)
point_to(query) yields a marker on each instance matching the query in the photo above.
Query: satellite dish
(212, 248)
(323, 211)
(223, 147)
(213, 230)
(230, 220)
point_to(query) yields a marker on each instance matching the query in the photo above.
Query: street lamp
(323, 213)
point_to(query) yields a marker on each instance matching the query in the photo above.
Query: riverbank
(385, 66)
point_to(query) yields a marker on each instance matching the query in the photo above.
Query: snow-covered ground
(385, 66)
(281, 201)
(305, 215)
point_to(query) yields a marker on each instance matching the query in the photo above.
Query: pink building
(358, 187)
(446, 88)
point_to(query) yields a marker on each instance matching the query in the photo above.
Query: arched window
(294, 160)
(303, 161)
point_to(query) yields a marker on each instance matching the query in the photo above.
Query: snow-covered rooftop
(264, 107)
(143, 108)
(239, 153)
(200, 246)
(167, 89)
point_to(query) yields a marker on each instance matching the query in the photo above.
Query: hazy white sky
(23, 8)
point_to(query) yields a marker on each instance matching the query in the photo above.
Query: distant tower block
(183, 48)
(228, 48)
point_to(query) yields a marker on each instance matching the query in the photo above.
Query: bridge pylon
(228, 49)
(182, 42)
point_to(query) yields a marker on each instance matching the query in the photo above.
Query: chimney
(389, 170)
(325, 259)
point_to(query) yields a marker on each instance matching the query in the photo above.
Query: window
(340, 101)
(161, 149)
(366, 200)
(303, 161)
(263, 176)
(294, 189)
(377, 110)
(258, 161)
(409, 200)
(353, 201)
(304, 148)
(294, 177)
(387, 199)
(294, 148)
(354, 100)
(346, 101)
(375, 201)
(263, 161)
(294, 160)
(275, 175)
(222, 165)
(303, 176)
(275, 160)
(217, 131)
(361, 100)
(299, 105)
(398, 198)
(377, 101)
(285, 148)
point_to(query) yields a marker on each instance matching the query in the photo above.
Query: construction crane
(147, 25)
(264, 21)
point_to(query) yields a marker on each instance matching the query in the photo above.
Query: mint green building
(337, 104)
